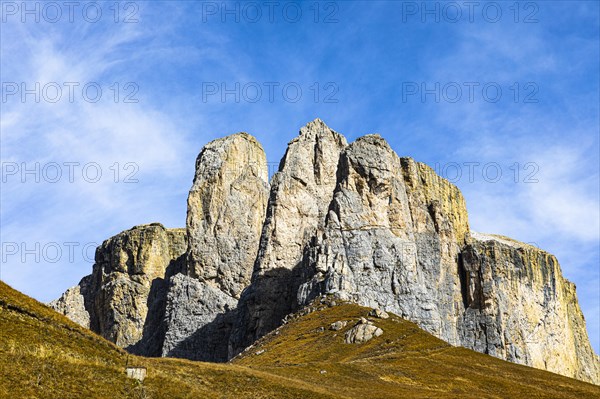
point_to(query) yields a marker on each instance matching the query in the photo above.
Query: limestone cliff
(123, 298)
(164, 292)
(393, 235)
(354, 221)
(298, 203)
(518, 307)
(226, 209)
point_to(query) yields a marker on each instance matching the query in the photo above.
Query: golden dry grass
(405, 362)
(45, 355)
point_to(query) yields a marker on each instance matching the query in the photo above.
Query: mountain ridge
(351, 220)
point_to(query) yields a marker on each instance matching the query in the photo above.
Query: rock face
(392, 237)
(226, 209)
(298, 203)
(198, 320)
(356, 222)
(128, 281)
(72, 303)
(519, 307)
(122, 299)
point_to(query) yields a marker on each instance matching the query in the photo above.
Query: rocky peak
(226, 209)
(352, 222)
(300, 194)
(370, 192)
(122, 299)
(300, 191)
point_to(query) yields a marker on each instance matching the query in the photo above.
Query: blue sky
(497, 88)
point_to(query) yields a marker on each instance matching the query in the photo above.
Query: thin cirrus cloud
(120, 138)
(556, 137)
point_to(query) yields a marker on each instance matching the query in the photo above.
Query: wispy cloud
(556, 137)
(138, 148)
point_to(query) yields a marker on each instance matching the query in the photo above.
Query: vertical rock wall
(298, 203)
(226, 209)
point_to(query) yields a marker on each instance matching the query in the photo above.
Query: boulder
(362, 332)
(338, 325)
(380, 314)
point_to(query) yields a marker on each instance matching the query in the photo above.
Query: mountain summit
(350, 221)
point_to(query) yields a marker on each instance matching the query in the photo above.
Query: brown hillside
(45, 355)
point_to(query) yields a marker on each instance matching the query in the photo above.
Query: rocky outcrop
(380, 314)
(338, 325)
(352, 222)
(123, 298)
(226, 209)
(518, 307)
(362, 332)
(128, 282)
(300, 196)
(72, 303)
(129, 278)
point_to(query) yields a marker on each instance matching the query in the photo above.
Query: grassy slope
(44, 355)
(405, 362)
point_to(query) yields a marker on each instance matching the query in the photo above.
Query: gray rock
(338, 325)
(362, 332)
(300, 194)
(380, 314)
(301, 191)
(226, 210)
(391, 239)
(198, 320)
(520, 308)
(124, 295)
(72, 303)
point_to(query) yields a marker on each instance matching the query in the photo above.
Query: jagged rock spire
(226, 209)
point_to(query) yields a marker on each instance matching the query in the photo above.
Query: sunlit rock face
(520, 308)
(298, 204)
(123, 298)
(226, 210)
(392, 238)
